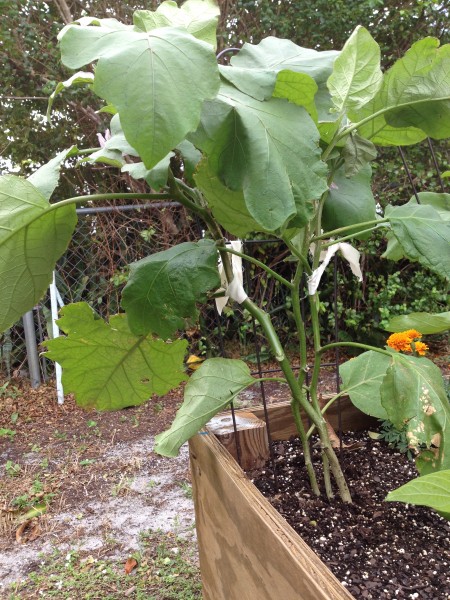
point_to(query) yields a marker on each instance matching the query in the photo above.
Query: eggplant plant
(279, 141)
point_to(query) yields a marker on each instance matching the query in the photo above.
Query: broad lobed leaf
(210, 389)
(106, 366)
(413, 101)
(356, 75)
(431, 490)
(423, 234)
(33, 235)
(164, 288)
(269, 150)
(426, 323)
(147, 76)
(405, 390)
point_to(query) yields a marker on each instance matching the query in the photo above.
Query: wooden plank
(247, 550)
(250, 441)
(282, 427)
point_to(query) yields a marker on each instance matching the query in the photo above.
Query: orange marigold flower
(412, 333)
(400, 342)
(421, 348)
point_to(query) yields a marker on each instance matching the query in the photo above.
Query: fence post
(32, 351)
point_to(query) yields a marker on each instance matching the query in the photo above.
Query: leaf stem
(355, 345)
(340, 230)
(258, 263)
(96, 197)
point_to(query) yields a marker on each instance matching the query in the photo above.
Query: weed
(12, 469)
(87, 461)
(14, 418)
(36, 495)
(7, 433)
(396, 438)
(187, 488)
(60, 435)
(91, 423)
(122, 487)
(35, 448)
(7, 391)
(157, 407)
(165, 570)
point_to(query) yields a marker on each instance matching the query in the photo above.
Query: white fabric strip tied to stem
(234, 290)
(351, 255)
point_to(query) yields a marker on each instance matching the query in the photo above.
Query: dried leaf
(28, 531)
(130, 565)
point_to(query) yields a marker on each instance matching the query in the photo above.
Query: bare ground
(96, 471)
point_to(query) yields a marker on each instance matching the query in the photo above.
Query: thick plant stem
(330, 459)
(326, 477)
(305, 445)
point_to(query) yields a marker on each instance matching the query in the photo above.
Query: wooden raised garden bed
(247, 550)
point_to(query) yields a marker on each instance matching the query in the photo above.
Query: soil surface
(102, 485)
(379, 550)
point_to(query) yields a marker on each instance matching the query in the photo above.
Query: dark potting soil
(380, 550)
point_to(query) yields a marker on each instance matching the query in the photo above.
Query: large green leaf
(356, 75)
(439, 201)
(147, 76)
(227, 206)
(356, 153)
(257, 83)
(362, 377)
(426, 323)
(431, 490)
(414, 99)
(298, 88)
(413, 393)
(210, 389)
(349, 201)
(33, 235)
(46, 178)
(163, 288)
(269, 150)
(156, 177)
(423, 235)
(406, 390)
(106, 366)
(277, 55)
(191, 157)
(198, 17)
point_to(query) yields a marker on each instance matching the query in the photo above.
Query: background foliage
(32, 67)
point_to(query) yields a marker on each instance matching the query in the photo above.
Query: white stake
(54, 297)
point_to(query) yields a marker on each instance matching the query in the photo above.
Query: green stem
(340, 230)
(299, 323)
(354, 345)
(298, 399)
(258, 263)
(324, 410)
(326, 476)
(347, 237)
(96, 197)
(299, 255)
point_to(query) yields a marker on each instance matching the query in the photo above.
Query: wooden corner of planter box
(247, 549)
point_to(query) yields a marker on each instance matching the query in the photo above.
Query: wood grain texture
(282, 427)
(247, 550)
(250, 441)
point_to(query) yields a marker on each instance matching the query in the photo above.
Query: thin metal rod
(261, 384)
(436, 165)
(336, 352)
(408, 172)
(32, 351)
(236, 438)
(226, 51)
